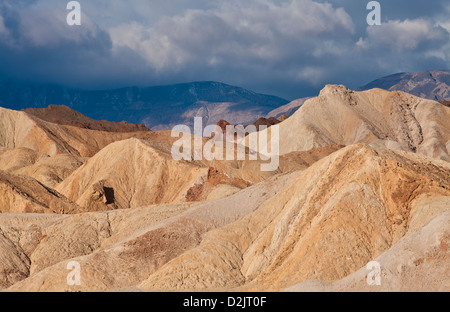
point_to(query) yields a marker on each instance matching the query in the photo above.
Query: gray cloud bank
(288, 48)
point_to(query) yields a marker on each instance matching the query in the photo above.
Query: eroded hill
(397, 120)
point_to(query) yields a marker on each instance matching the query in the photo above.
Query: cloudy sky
(289, 48)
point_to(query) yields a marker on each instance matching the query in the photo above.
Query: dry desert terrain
(363, 176)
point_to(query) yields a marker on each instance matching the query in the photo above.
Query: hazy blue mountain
(162, 107)
(429, 84)
(159, 107)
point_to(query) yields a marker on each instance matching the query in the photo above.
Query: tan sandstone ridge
(416, 263)
(23, 194)
(373, 196)
(324, 223)
(149, 175)
(394, 119)
(116, 249)
(49, 170)
(131, 173)
(19, 129)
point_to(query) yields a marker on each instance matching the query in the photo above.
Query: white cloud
(401, 36)
(236, 31)
(440, 54)
(312, 74)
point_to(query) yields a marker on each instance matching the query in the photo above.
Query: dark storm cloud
(289, 48)
(37, 44)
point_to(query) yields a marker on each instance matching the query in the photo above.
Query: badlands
(363, 176)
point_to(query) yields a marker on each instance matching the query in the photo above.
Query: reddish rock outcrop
(63, 115)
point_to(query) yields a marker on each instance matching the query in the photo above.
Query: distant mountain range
(428, 84)
(158, 108)
(163, 107)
